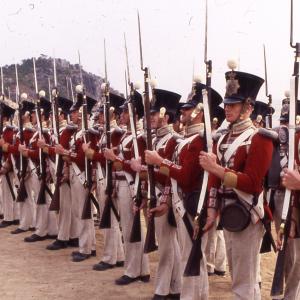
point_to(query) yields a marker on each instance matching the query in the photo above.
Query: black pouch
(235, 217)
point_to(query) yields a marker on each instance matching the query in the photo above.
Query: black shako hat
(79, 102)
(64, 104)
(197, 97)
(116, 102)
(261, 109)
(137, 101)
(241, 86)
(167, 99)
(8, 108)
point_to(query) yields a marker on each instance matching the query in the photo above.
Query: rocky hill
(67, 73)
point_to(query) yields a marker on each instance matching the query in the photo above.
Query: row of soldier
(240, 199)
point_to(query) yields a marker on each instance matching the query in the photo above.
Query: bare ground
(28, 271)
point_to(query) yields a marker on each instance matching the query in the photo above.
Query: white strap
(78, 173)
(236, 144)
(161, 143)
(176, 201)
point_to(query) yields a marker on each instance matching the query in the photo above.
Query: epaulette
(94, 131)
(46, 130)
(29, 129)
(176, 136)
(218, 134)
(269, 133)
(10, 127)
(72, 127)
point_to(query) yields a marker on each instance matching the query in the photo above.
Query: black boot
(73, 242)
(57, 245)
(5, 224)
(34, 238)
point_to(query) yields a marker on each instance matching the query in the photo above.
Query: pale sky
(173, 38)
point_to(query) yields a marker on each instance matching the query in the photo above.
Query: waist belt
(120, 177)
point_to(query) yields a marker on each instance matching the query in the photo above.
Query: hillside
(66, 72)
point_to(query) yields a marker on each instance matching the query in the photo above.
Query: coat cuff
(230, 179)
(118, 164)
(165, 167)
(5, 147)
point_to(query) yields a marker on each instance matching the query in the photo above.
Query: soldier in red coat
(237, 168)
(27, 206)
(113, 251)
(46, 223)
(186, 179)
(10, 207)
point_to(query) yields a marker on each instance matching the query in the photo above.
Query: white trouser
(46, 221)
(10, 207)
(195, 287)
(243, 259)
(215, 251)
(292, 287)
(136, 262)
(87, 239)
(68, 222)
(168, 273)
(113, 249)
(28, 207)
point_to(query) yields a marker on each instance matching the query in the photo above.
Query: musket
(21, 193)
(88, 169)
(269, 96)
(150, 243)
(59, 163)
(192, 267)
(41, 199)
(109, 206)
(268, 240)
(277, 289)
(135, 235)
(71, 87)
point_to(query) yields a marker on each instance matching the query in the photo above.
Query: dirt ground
(28, 271)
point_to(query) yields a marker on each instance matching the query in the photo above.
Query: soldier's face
(233, 112)
(185, 116)
(75, 116)
(33, 118)
(154, 119)
(124, 118)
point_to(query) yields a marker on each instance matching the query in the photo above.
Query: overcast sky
(173, 38)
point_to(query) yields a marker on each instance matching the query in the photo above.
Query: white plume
(153, 83)
(232, 64)
(137, 85)
(42, 94)
(287, 94)
(24, 96)
(79, 88)
(198, 78)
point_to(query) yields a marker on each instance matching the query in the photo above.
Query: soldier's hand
(85, 147)
(207, 161)
(41, 143)
(136, 165)
(153, 158)
(59, 149)
(22, 148)
(211, 218)
(291, 179)
(159, 211)
(109, 154)
(2, 142)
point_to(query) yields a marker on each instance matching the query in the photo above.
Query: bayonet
(2, 82)
(72, 92)
(140, 42)
(35, 78)
(80, 69)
